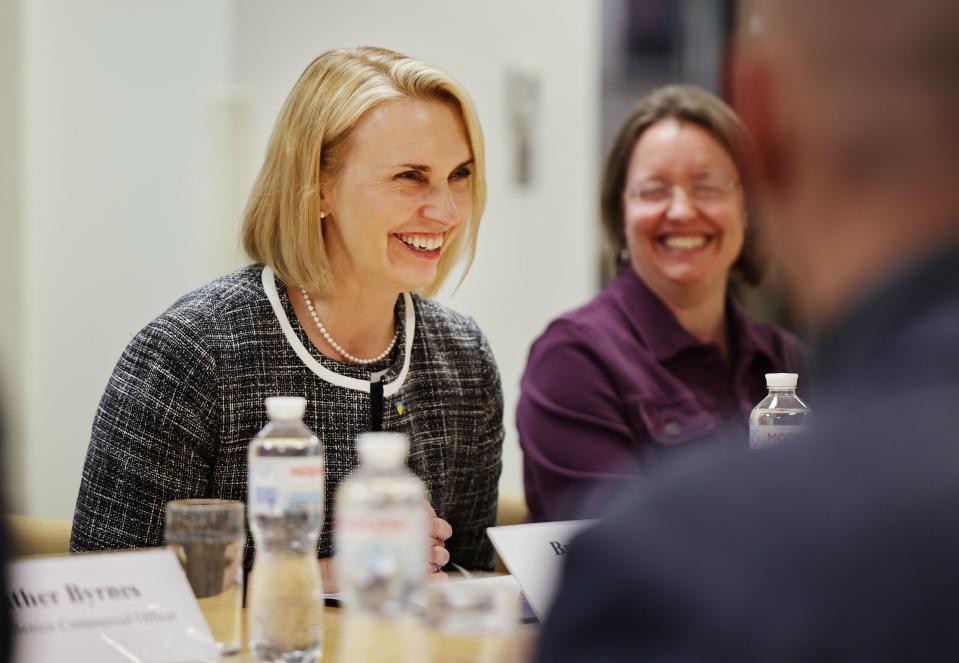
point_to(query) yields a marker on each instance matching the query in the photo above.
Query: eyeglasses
(707, 189)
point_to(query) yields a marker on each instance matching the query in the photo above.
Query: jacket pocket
(676, 420)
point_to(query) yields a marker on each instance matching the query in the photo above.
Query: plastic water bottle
(780, 415)
(285, 602)
(380, 529)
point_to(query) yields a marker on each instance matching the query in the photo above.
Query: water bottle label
(282, 484)
(766, 436)
(374, 547)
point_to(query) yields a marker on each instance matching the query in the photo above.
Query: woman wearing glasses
(664, 360)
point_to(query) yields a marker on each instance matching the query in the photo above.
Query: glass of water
(207, 537)
(472, 620)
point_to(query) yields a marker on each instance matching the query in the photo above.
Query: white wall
(115, 102)
(537, 250)
(10, 194)
(141, 125)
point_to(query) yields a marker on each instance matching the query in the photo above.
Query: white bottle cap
(285, 407)
(782, 380)
(382, 448)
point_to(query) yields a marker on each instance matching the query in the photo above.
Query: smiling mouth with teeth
(685, 243)
(428, 246)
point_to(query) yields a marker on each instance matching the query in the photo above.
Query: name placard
(110, 607)
(534, 554)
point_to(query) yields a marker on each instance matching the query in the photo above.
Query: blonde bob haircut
(281, 225)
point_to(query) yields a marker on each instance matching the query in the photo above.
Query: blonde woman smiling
(370, 196)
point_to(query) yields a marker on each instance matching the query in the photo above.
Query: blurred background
(131, 131)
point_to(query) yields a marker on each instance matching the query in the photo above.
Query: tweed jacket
(187, 396)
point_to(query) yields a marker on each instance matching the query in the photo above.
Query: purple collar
(661, 332)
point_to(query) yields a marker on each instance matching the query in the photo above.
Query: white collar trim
(389, 389)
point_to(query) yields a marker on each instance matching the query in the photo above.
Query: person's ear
(755, 98)
(324, 196)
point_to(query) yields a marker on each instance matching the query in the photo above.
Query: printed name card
(110, 607)
(534, 554)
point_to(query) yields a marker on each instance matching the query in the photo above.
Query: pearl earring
(322, 215)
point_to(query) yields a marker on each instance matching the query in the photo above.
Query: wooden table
(356, 639)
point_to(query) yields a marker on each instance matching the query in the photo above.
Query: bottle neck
(781, 391)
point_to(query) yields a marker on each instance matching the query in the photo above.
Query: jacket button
(673, 429)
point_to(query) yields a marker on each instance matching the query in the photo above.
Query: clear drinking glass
(471, 620)
(207, 537)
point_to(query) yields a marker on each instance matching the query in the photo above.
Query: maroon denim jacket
(617, 386)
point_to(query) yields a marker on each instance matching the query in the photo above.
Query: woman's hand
(439, 531)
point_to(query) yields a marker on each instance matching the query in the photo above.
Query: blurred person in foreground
(6, 618)
(841, 546)
(370, 196)
(664, 361)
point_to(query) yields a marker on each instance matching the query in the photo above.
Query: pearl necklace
(339, 348)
